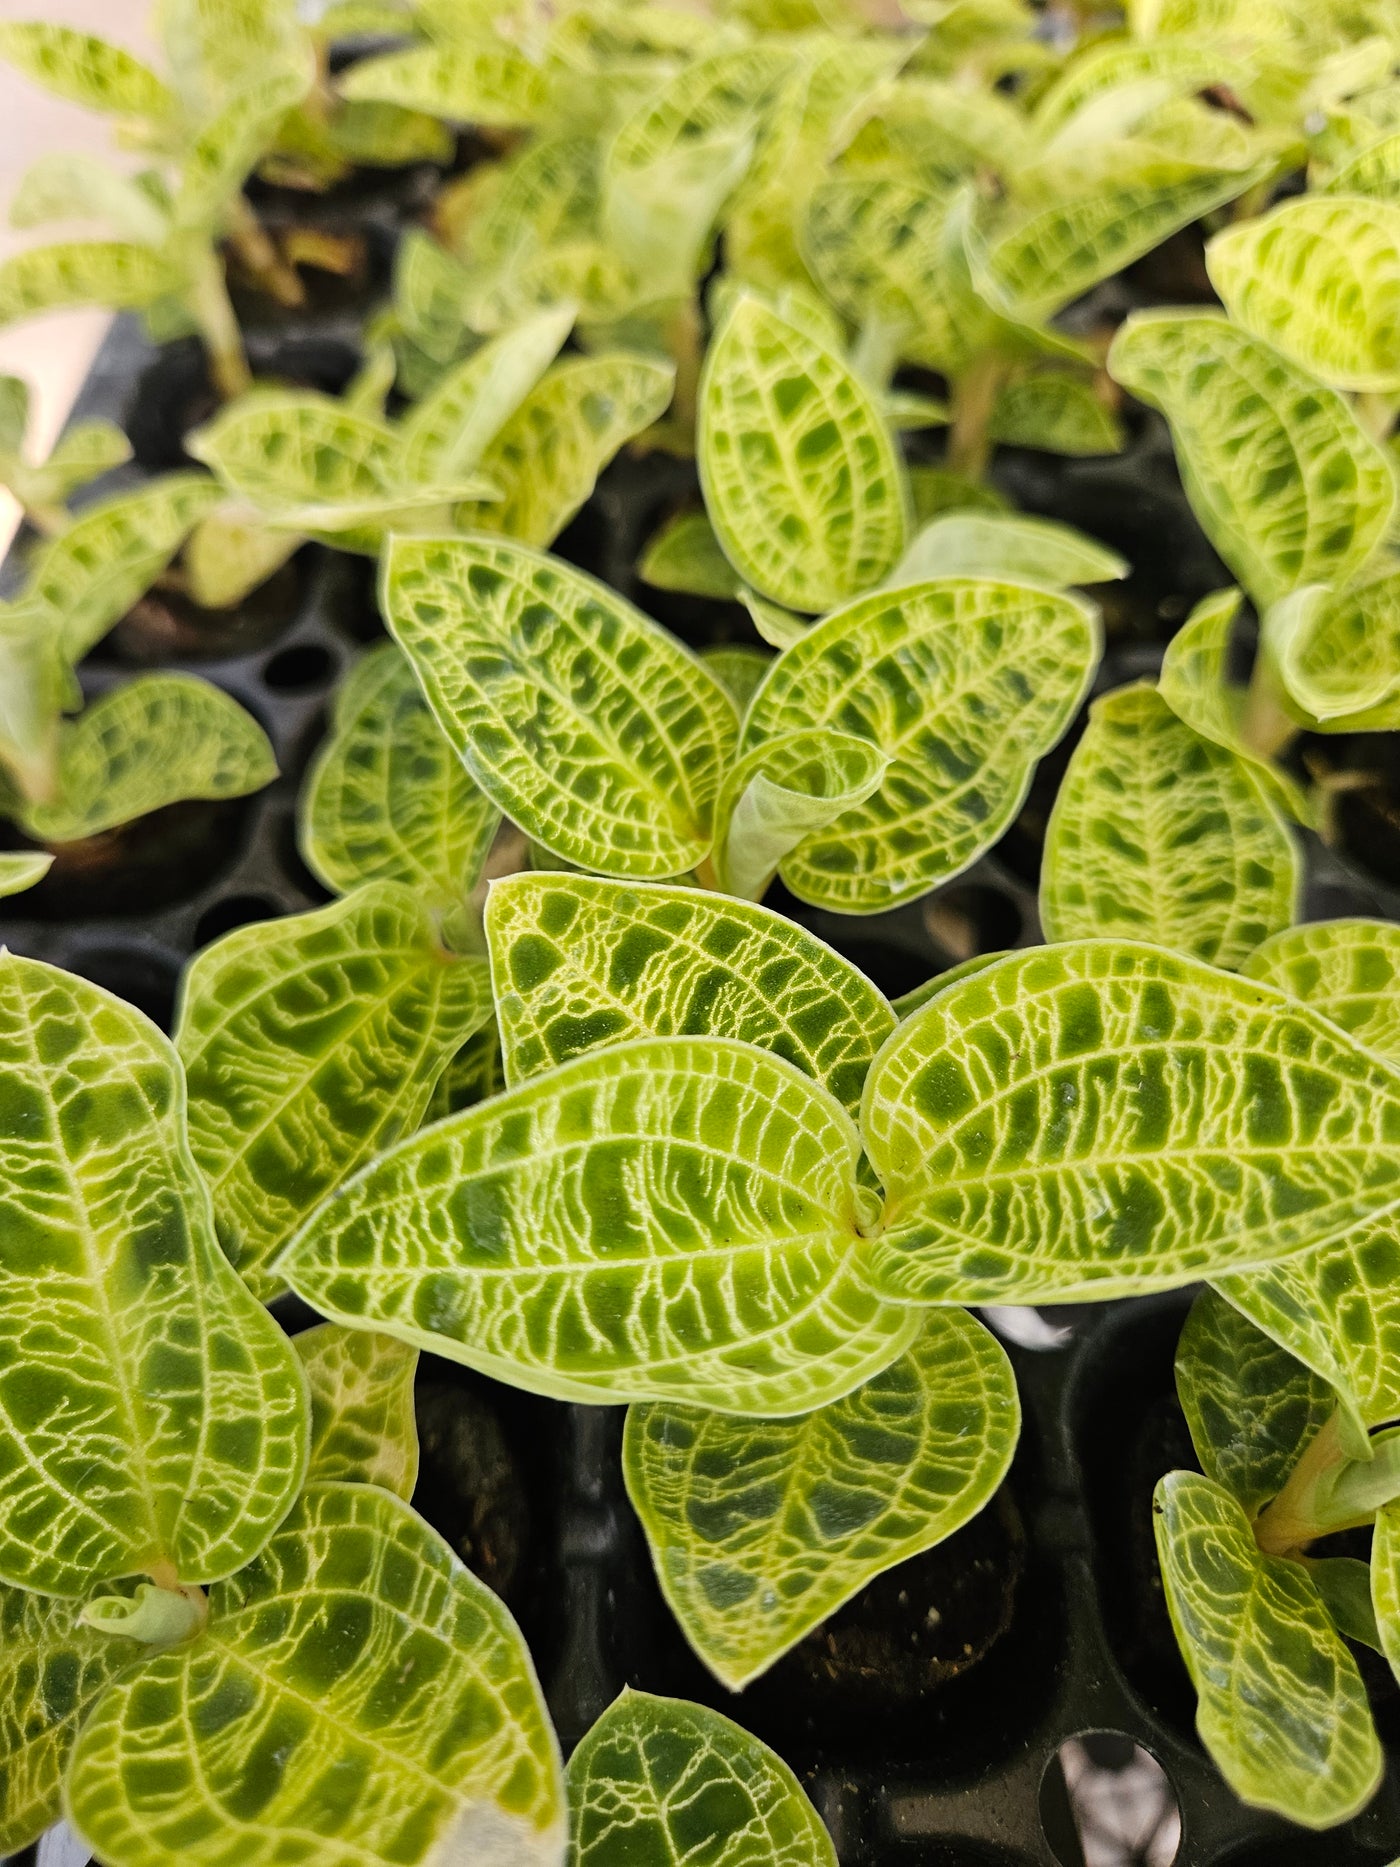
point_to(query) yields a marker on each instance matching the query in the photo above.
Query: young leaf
(659, 1777)
(86, 70)
(1282, 1708)
(387, 798)
(1347, 969)
(1375, 171)
(305, 459)
(781, 793)
(936, 490)
(1085, 1120)
(310, 1044)
(22, 870)
(759, 1529)
(118, 274)
(740, 671)
(73, 185)
(1344, 1583)
(1250, 1406)
(1057, 413)
(483, 81)
(685, 555)
(121, 1314)
(963, 685)
(80, 454)
(363, 1429)
(1158, 834)
(586, 724)
(1011, 548)
(547, 457)
(158, 740)
(666, 1218)
(1287, 484)
(420, 1708)
(800, 471)
(1318, 279)
(577, 963)
(231, 552)
(1335, 651)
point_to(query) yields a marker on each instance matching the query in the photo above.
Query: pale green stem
(1265, 726)
(1290, 1521)
(1376, 413)
(156, 1616)
(257, 253)
(209, 301)
(1327, 1491)
(974, 397)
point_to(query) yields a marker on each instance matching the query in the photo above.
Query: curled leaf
(780, 793)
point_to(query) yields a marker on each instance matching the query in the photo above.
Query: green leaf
(153, 1417)
(584, 722)
(310, 1044)
(660, 1777)
(667, 1218)
(740, 671)
(1082, 1121)
(936, 490)
(470, 1077)
(79, 455)
(1348, 969)
(36, 684)
(232, 141)
(548, 456)
(1344, 1583)
(22, 870)
(578, 963)
(1250, 1406)
(14, 417)
(1057, 413)
(417, 1731)
(800, 471)
(1385, 1581)
(218, 47)
(776, 626)
(963, 684)
(1337, 653)
(306, 460)
(782, 792)
(1318, 279)
(387, 798)
(1374, 172)
(1196, 686)
(1282, 1708)
(118, 274)
(363, 1429)
(1120, 71)
(909, 1002)
(233, 551)
(86, 70)
(685, 555)
(759, 1529)
(1012, 547)
(158, 740)
(73, 185)
(1287, 484)
(53, 1667)
(486, 82)
(1158, 834)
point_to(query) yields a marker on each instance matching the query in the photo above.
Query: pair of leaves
(84, 450)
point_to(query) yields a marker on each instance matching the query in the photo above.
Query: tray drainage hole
(298, 670)
(234, 911)
(1107, 1802)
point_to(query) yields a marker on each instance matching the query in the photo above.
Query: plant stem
(209, 301)
(1264, 726)
(974, 398)
(1287, 1525)
(256, 252)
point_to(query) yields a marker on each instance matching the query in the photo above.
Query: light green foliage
(387, 799)
(963, 685)
(740, 671)
(120, 1311)
(116, 273)
(801, 474)
(1159, 834)
(1287, 484)
(1348, 969)
(85, 70)
(363, 1429)
(936, 490)
(84, 450)
(1374, 172)
(666, 1218)
(1335, 652)
(1385, 1582)
(310, 1044)
(783, 792)
(1013, 549)
(685, 555)
(1319, 279)
(356, 1651)
(909, 1002)
(759, 1529)
(584, 722)
(472, 1075)
(1250, 1406)
(546, 459)
(655, 1777)
(484, 81)
(22, 870)
(577, 963)
(1282, 1708)
(155, 741)
(1057, 413)
(1101, 1117)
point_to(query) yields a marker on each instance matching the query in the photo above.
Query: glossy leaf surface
(584, 722)
(782, 792)
(356, 1651)
(759, 1529)
(1385, 1582)
(1099, 1117)
(363, 1429)
(658, 1779)
(671, 1217)
(1158, 834)
(1335, 652)
(1011, 549)
(963, 684)
(192, 1435)
(310, 1044)
(578, 963)
(22, 870)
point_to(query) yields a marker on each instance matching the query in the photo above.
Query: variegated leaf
(578, 963)
(300, 457)
(659, 1776)
(685, 555)
(1282, 1709)
(118, 274)
(387, 799)
(936, 490)
(22, 870)
(801, 474)
(739, 670)
(231, 552)
(1287, 484)
(74, 185)
(218, 160)
(963, 685)
(667, 1218)
(153, 1419)
(1057, 413)
(1011, 547)
(483, 81)
(310, 1044)
(1385, 1582)
(86, 70)
(1347, 969)
(1099, 1118)
(1337, 652)
(363, 1429)
(80, 454)
(1374, 172)
(584, 722)
(355, 1683)
(783, 792)
(1159, 834)
(759, 1529)
(158, 740)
